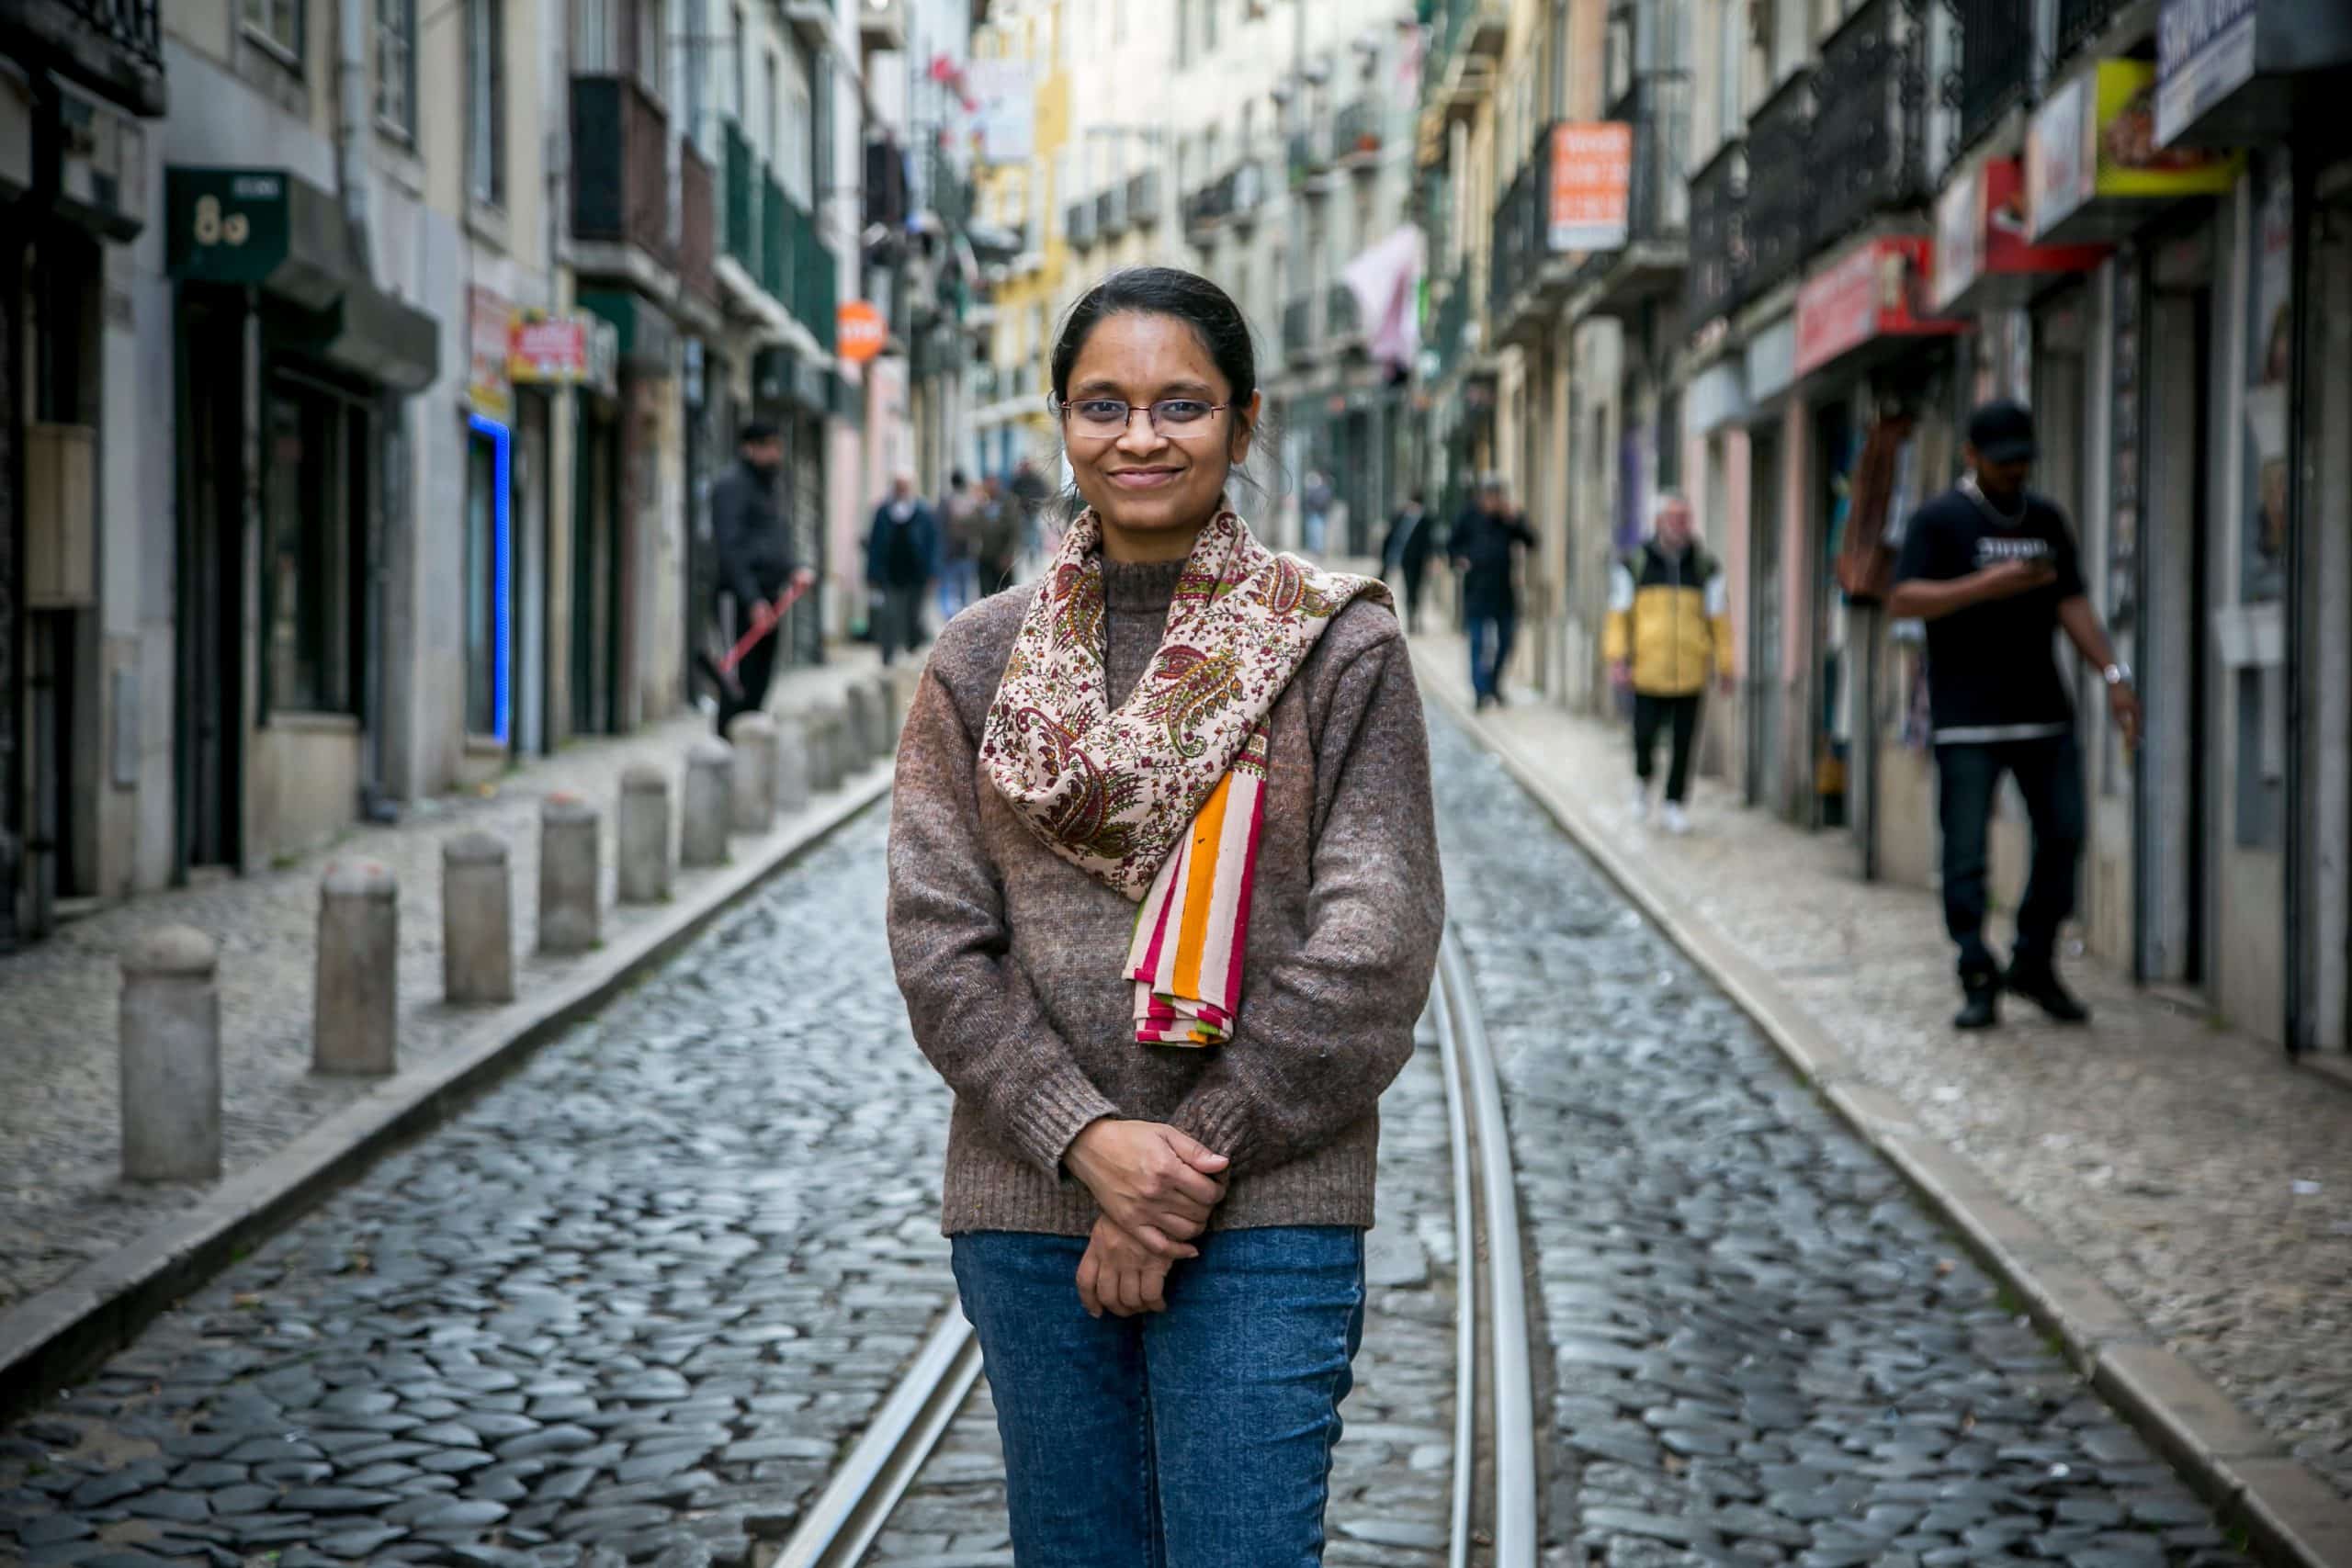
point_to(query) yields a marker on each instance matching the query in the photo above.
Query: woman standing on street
(1164, 903)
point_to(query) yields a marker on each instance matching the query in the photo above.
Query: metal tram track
(1492, 1515)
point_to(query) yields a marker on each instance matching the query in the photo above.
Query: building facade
(1772, 256)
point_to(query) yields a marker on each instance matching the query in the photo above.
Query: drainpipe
(354, 127)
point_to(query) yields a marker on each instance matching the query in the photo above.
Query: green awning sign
(228, 225)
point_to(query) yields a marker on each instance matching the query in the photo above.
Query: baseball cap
(2002, 432)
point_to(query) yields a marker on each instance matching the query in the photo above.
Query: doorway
(210, 612)
(1764, 696)
(596, 573)
(2327, 890)
(1836, 673)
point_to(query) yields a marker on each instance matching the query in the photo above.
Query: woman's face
(1154, 484)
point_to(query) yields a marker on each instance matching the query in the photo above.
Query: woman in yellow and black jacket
(1668, 632)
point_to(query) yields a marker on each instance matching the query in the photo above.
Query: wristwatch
(2117, 674)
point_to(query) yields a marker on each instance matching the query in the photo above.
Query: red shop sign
(1877, 289)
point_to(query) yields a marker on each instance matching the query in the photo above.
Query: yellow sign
(2130, 162)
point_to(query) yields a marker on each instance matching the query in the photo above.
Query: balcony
(620, 185)
(1465, 42)
(115, 48)
(1206, 208)
(2080, 21)
(1246, 187)
(1717, 281)
(1310, 159)
(697, 225)
(1658, 199)
(882, 25)
(1996, 69)
(813, 20)
(1111, 211)
(1520, 247)
(1453, 337)
(1869, 150)
(1143, 199)
(1780, 184)
(775, 241)
(1078, 223)
(813, 279)
(739, 232)
(1357, 135)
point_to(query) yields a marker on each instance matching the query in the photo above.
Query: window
(396, 67)
(486, 101)
(741, 103)
(650, 62)
(277, 23)
(596, 52)
(697, 63)
(774, 110)
(1208, 26)
(314, 490)
(1184, 33)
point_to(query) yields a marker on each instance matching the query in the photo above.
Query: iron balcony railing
(1298, 328)
(1451, 340)
(1310, 156)
(114, 47)
(1779, 184)
(1995, 68)
(1143, 199)
(1078, 222)
(1111, 211)
(1870, 130)
(697, 222)
(1658, 203)
(815, 286)
(620, 157)
(1717, 277)
(1520, 232)
(1357, 132)
(775, 241)
(2079, 21)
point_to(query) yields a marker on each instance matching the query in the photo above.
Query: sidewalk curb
(2291, 1514)
(54, 1337)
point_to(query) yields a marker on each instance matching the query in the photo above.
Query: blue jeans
(1197, 1438)
(1485, 667)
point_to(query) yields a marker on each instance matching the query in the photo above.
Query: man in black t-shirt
(1991, 570)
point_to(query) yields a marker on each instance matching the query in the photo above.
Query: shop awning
(270, 229)
(648, 341)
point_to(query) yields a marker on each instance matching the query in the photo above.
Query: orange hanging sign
(858, 332)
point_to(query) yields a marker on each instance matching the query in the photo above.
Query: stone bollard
(754, 796)
(356, 1008)
(829, 761)
(645, 834)
(894, 718)
(568, 857)
(709, 809)
(793, 773)
(170, 1024)
(477, 920)
(862, 705)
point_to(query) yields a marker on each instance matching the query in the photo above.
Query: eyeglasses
(1108, 418)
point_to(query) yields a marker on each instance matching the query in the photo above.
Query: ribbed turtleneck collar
(1140, 587)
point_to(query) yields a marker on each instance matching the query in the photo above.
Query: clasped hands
(1156, 1188)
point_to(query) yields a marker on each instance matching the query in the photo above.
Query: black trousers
(756, 673)
(1652, 714)
(2049, 776)
(1414, 572)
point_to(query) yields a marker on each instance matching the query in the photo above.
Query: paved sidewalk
(2193, 1173)
(62, 1204)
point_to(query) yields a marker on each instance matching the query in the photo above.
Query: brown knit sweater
(1010, 958)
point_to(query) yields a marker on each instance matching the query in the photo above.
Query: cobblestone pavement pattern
(61, 1201)
(632, 1305)
(633, 1302)
(1391, 1474)
(1762, 1349)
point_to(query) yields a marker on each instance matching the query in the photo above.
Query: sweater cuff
(1219, 1119)
(1050, 1114)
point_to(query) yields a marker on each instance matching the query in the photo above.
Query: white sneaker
(1641, 801)
(1677, 821)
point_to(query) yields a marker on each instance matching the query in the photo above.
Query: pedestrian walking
(900, 555)
(1404, 554)
(1001, 529)
(1669, 631)
(1992, 568)
(755, 564)
(1159, 1241)
(1484, 546)
(959, 572)
(1315, 512)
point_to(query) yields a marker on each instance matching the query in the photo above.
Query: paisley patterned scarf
(1163, 798)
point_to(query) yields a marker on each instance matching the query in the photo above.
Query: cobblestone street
(632, 1304)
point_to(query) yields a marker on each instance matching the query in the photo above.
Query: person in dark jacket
(900, 555)
(755, 561)
(1404, 554)
(1484, 547)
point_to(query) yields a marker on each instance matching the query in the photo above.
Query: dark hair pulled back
(1170, 291)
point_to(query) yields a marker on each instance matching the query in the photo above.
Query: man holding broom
(755, 564)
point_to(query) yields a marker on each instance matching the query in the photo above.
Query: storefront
(621, 523)
(290, 366)
(564, 368)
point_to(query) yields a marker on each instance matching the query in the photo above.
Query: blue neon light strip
(501, 680)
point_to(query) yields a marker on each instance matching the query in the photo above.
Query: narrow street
(633, 1304)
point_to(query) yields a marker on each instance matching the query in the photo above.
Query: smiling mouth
(1142, 479)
